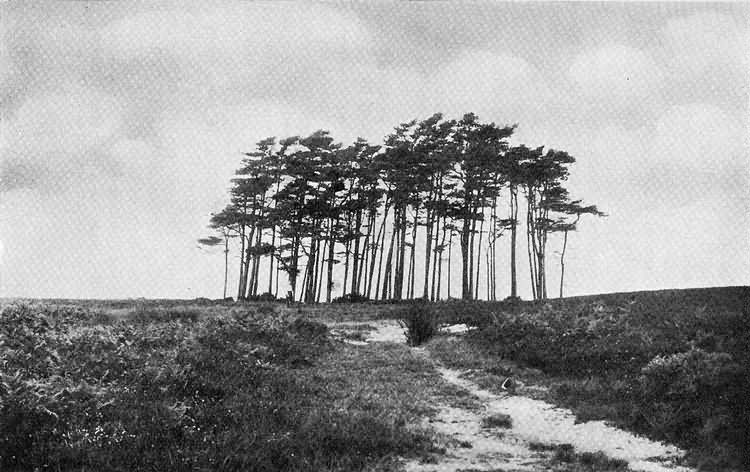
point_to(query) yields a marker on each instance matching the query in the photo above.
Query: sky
(121, 125)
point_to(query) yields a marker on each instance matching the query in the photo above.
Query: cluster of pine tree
(301, 205)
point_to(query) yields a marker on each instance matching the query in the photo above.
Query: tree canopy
(307, 205)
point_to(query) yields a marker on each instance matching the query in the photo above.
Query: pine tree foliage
(303, 205)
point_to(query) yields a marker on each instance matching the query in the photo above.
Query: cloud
(701, 42)
(17, 174)
(615, 73)
(120, 127)
(226, 31)
(70, 121)
(58, 135)
(700, 137)
(6, 65)
(689, 152)
(491, 84)
(242, 45)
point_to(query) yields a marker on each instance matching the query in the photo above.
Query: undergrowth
(174, 390)
(420, 324)
(674, 365)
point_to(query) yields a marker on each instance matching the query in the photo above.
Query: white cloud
(69, 121)
(700, 42)
(225, 30)
(144, 112)
(6, 63)
(8, 69)
(700, 137)
(615, 73)
(491, 84)
(233, 33)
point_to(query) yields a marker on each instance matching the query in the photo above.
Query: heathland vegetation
(203, 385)
(673, 364)
(306, 204)
(177, 387)
(138, 385)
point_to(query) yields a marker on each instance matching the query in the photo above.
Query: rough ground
(536, 426)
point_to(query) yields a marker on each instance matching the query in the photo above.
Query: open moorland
(194, 385)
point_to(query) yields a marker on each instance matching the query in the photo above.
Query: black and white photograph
(408, 236)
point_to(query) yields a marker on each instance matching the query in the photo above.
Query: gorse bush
(419, 322)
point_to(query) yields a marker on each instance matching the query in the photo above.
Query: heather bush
(351, 298)
(419, 323)
(175, 393)
(672, 364)
(691, 396)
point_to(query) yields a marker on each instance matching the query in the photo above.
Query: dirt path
(475, 447)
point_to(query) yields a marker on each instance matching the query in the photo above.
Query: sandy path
(533, 421)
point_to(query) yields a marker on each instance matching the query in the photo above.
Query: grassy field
(674, 365)
(170, 386)
(193, 385)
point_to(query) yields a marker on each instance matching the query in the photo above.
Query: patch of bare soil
(475, 444)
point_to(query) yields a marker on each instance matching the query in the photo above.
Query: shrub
(308, 329)
(599, 462)
(498, 420)
(265, 297)
(219, 393)
(672, 364)
(351, 298)
(565, 453)
(163, 315)
(419, 323)
(693, 395)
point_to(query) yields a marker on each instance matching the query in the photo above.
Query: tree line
(301, 205)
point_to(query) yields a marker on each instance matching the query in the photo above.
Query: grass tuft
(498, 420)
(420, 324)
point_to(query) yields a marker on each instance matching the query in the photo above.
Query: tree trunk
(256, 263)
(276, 285)
(226, 263)
(303, 289)
(240, 288)
(492, 258)
(347, 247)
(435, 260)
(331, 259)
(248, 258)
(531, 247)
(388, 262)
(489, 274)
(356, 265)
(398, 288)
(365, 259)
(321, 266)
(439, 257)
(513, 226)
(562, 262)
(395, 267)
(465, 282)
(472, 235)
(272, 256)
(450, 251)
(312, 268)
(294, 267)
(380, 245)
(479, 258)
(542, 266)
(428, 255)
(412, 259)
